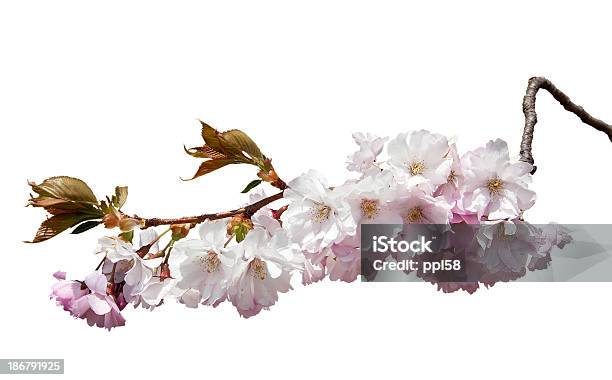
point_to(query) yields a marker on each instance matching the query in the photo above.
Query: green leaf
(86, 226)
(128, 236)
(57, 224)
(253, 184)
(241, 233)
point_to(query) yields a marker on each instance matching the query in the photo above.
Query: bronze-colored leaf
(211, 137)
(105, 207)
(73, 208)
(239, 141)
(232, 144)
(57, 224)
(212, 165)
(65, 188)
(121, 193)
(203, 152)
(224, 148)
(128, 237)
(65, 195)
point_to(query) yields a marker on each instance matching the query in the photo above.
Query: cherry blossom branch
(71, 203)
(246, 211)
(534, 85)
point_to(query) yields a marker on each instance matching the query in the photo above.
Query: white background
(109, 92)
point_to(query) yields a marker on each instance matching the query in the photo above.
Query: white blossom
(317, 216)
(493, 186)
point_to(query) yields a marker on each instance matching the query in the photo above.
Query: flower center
(417, 167)
(210, 262)
(320, 212)
(452, 177)
(414, 215)
(257, 269)
(495, 185)
(369, 208)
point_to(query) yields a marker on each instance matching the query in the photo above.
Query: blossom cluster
(422, 180)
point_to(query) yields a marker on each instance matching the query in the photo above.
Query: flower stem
(169, 247)
(101, 262)
(112, 275)
(160, 236)
(228, 240)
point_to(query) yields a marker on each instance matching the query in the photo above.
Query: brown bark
(247, 211)
(531, 118)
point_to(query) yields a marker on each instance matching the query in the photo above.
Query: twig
(247, 211)
(531, 118)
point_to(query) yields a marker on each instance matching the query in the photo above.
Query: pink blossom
(97, 307)
(415, 207)
(345, 263)
(462, 216)
(451, 189)
(66, 292)
(370, 147)
(504, 247)
(420, 158)
(314, 267)
(493, 186)
(263, 271)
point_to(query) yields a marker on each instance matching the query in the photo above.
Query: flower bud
(239, 226)
(127, 224)
(276, 214)
(269, 176)
(111, 220)
(116, 219)
(179, 231)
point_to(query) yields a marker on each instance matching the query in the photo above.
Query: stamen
(452, 177)
(414, 215)
(417, 167)
(257, 269)
(495, 185)
(210, 262)
(320, 212)
(369, 208)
